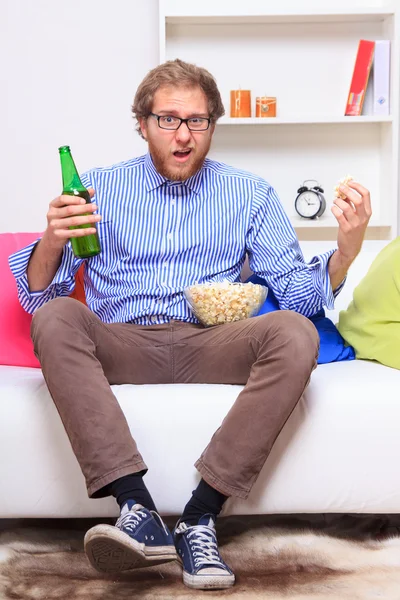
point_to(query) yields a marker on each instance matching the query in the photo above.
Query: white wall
(68, 74)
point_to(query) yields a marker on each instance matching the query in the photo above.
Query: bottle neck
(70, 176)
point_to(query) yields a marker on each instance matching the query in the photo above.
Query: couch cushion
(15, 343)
(16, 346)
(335, 453)
(332, 345)
(371, 322)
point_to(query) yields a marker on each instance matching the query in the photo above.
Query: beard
(179, 172)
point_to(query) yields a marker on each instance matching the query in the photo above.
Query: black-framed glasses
(173, 123)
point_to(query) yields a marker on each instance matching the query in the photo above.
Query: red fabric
(79, 291)
(16, 346)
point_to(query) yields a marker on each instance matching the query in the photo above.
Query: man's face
(179, 154)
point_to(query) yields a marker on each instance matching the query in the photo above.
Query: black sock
(205, 500)
(132, 487)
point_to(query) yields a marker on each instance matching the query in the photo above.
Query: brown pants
(273, 355)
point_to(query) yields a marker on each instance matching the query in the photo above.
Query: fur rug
(294, 560)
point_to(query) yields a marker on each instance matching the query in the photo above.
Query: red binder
(359, 82)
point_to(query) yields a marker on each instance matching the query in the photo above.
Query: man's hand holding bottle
(67, 211)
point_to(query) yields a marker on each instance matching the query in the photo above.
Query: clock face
(308, 204)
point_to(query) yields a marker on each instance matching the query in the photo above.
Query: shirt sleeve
(63, 282)
(275, 254)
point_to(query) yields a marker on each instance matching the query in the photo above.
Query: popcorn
(343, 181)
(224, 302)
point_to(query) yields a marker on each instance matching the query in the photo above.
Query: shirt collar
(153, 177)
(155, 180)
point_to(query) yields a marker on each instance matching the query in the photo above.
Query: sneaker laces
(203, 544)
(129, 519)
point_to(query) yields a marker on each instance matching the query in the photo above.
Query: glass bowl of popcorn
(216, 303)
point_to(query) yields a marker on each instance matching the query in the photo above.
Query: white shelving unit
(304, 55)
(305, 121)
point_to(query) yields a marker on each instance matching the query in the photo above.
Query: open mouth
(182, 155)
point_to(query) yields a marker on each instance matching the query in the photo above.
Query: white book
(368, 105)
(381, 77)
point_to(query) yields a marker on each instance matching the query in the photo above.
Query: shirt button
(173, 202)
(165, 265)
(169, 236)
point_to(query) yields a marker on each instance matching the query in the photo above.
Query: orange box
(240, 103)
(265, 106)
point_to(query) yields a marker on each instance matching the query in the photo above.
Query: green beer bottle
(88, 245)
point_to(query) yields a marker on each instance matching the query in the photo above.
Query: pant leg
(273, 355)
(80, 356)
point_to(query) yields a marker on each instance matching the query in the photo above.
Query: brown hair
(177, 73)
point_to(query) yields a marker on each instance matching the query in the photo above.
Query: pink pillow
(16, 346)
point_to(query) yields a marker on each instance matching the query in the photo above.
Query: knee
(60, 309)
(297, 333)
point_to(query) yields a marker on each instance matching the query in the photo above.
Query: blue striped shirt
(159, 236)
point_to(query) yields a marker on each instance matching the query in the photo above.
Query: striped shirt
(159, 236)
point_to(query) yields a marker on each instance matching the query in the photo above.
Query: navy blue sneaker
(138, 539)
(197, 547)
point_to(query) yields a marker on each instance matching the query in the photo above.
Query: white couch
(335, 454)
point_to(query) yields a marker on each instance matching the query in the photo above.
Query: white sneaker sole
(208, 582)
(110, 550)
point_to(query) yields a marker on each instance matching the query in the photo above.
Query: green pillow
(371, 323)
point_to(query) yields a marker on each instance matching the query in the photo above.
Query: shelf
(209, 13)
(328, 221)
(304, 120)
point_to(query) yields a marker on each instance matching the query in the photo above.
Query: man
(170, 219)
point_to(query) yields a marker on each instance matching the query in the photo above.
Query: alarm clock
(310, 202)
